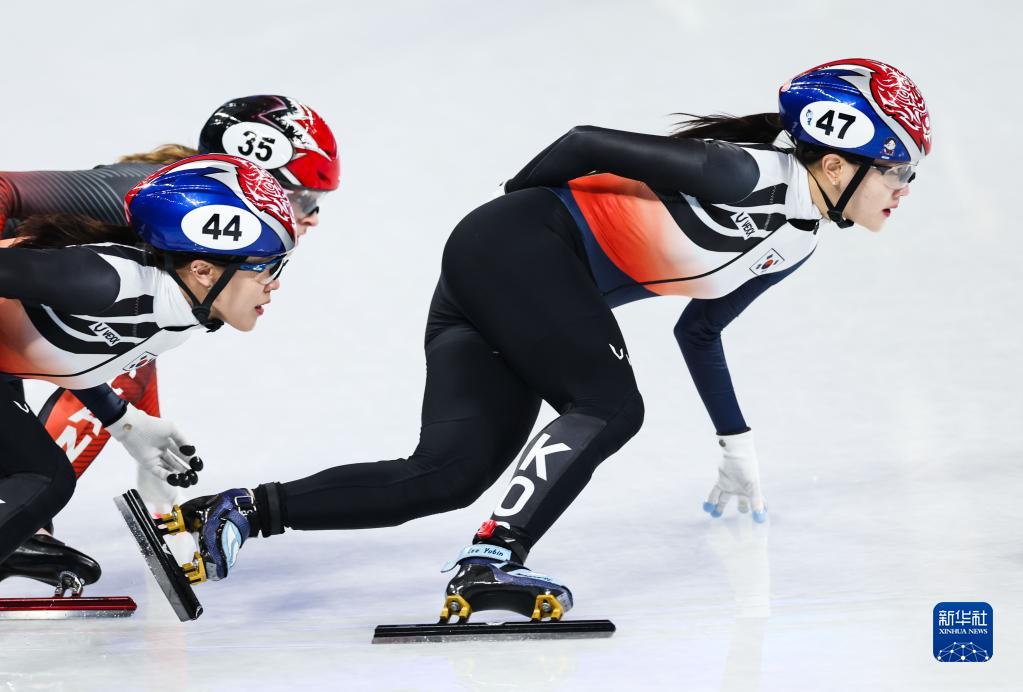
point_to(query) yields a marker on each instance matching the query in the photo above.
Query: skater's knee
(51, 465)
(64, 483)
(631, 414)
(622, 413)
(461, 488)
(61, 482)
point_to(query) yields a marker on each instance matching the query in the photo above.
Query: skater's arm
(713, 171)
(698, 333)
(74, 279)
(98, 192)
(103, 402)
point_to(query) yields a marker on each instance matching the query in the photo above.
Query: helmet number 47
(231, 230)
(827, 123)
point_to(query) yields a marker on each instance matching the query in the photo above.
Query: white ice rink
(883, 379)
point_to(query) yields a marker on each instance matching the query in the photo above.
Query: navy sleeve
(707, 169)
(698, 333)
(75, 280)
(103, 402)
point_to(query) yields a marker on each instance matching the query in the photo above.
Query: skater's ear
(202, 272)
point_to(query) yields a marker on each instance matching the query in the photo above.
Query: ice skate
(493, 577)
(44, 558)
(489, 578)
(219, 523)
(49, 560)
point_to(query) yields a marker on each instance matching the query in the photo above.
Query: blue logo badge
(964, 632)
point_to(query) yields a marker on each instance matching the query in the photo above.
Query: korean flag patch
(767, 263)
(144, 359)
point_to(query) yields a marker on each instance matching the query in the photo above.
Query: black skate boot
(69, 571)
(491, 576)
(44, 558)
(220, 525)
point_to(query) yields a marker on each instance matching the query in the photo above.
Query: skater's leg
(531, 297)
(36, 480)
(476, 415)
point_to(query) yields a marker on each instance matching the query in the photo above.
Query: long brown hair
(52, 231)
(163, 154)
(42, 231)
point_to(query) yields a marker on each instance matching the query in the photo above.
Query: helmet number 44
(231, 230)
(221, 227)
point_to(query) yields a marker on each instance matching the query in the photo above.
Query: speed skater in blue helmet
(208, 217)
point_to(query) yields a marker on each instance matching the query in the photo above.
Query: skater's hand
(158, 446)
(738, 475)
(158, 495)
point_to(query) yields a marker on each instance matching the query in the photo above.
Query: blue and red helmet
(858, 106)
(212, 204)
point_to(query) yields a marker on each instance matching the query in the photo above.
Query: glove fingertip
(708, 507)
(716, 513)
(760, 517)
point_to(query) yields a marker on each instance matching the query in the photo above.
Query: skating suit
(82, 315)
(98, 192)
(642, 242)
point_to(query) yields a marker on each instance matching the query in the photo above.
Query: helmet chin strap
(201, 308)
(836, 211)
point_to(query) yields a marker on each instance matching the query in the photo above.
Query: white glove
(160, 449)
(738, 475)
(159, 495)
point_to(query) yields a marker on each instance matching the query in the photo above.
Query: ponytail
(760, 128)
(52, 231)
(43, 231)
(162, 155)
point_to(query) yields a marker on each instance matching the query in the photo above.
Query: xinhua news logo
(964, 632)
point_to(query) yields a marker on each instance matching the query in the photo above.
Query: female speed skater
(522, 312)
(208, 237)
(280, 134)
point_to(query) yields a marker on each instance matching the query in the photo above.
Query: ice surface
(882, 380)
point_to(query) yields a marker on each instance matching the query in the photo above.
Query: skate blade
(169, 575)
(493, 631)
(66, 608)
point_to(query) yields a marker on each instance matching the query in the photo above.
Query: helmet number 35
(263, 150)
(265, 146)
(221, 227)
(836, 124)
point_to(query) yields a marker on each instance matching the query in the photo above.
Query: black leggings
(36, 480)
(515, 318)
